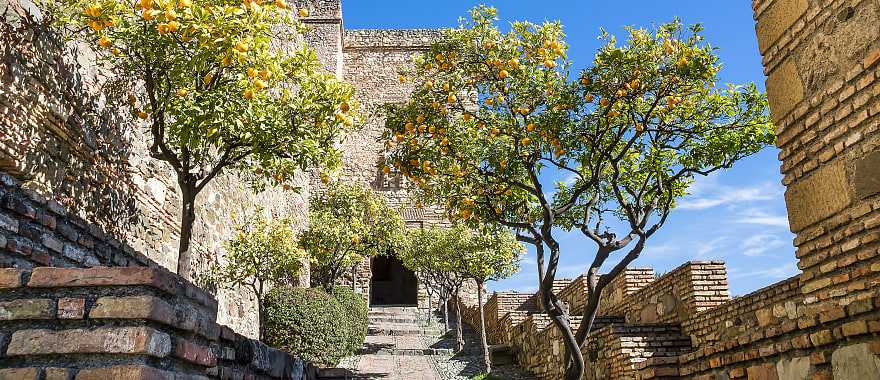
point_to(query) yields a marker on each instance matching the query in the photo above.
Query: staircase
(398, 330)
(397, 348)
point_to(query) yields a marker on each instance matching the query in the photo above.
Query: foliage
(498, 132)
(448, 257)
(317, 326)
(263, 254)
(356, 317)
(347, 224)
(219, 84)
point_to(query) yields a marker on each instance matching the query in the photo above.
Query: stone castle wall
(60, 140)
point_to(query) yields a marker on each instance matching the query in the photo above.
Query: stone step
(405, 351)
(401, 330)
(378, 320)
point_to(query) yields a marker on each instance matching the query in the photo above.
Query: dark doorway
(392, 283)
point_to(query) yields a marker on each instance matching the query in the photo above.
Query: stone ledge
(133, 372)
(107, 340)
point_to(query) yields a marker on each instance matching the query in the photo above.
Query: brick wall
(672, 298)
(124, 323)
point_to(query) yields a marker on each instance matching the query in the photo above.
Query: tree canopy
(500, 131)
(218, 84)
(347, 224)
(262, 254)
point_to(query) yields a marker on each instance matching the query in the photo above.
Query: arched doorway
(391, 283)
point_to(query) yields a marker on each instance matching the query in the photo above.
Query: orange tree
(489, 254)
(218, 84)
(498, 132)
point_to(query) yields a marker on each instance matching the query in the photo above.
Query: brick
(57, 374)
(27, 309)
(762, 372)
(871, 58)
(132, 372)
(45, 277)
(10, 278)
(71, 308)
(855, 328)
(136, 307)
(832, 314)
(107, 340)
(8, 223)
(821, 195)
(194, 353)
(52, 243)
(19, 373)
(737, 373)
(821, 338)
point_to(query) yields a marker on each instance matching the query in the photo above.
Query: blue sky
(737, 215)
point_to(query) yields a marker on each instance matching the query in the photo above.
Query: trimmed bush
(356, 317)
(314, 325)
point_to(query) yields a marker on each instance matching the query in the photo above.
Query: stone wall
(60, 141)
(124, 323)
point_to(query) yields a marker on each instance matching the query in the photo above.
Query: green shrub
(314, 325)
(356, 318)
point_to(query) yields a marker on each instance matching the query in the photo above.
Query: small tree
(435, 253)
(489, 255)
(348, 224)
(220, 84)
(495, 123)
(262, 255)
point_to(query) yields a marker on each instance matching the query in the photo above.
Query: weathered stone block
(194, 353)
(110, 340)
(784, 89)
(10, 278)
(27, 309)
(19, 373)
(45, 277)
(866, 175)
(776, 20)
(57, 374)
(855, 362)
(133, 372)
(137, 307)
(762, 372)
(822, 194)
(794, 368)
(71, 308)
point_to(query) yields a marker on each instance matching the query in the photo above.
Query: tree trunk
(486, 358)
(459, 337)
(354, 278)
(187, 219)
(574, 359)
(445, 315)
(430, 305)
(261, 312)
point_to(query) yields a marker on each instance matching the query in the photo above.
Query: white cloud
(710, 248)
(775, 273)
(713, 195)
(761, 217)
(759, 245)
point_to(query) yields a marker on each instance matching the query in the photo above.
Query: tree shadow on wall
(66, 134)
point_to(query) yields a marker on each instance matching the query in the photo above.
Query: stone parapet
(124, 323)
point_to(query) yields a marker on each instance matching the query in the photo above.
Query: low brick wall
(677, 295)
(123, 323)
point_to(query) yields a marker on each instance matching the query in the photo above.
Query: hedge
(314, 325)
